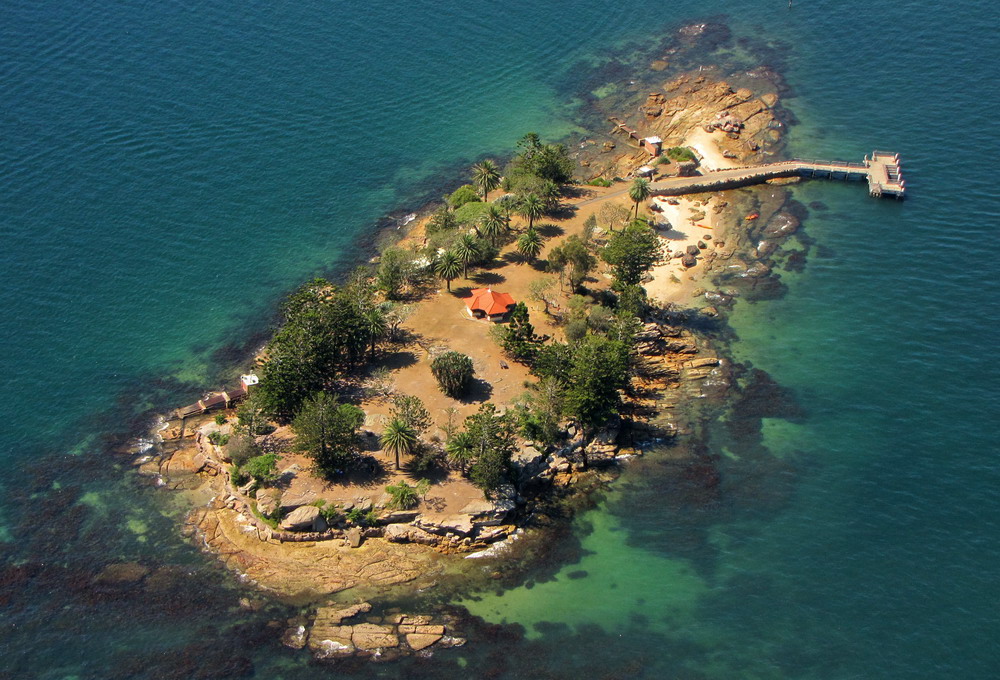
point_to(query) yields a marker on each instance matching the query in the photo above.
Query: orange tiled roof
(489, 301)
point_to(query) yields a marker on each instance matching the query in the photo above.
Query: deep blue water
(169, 170)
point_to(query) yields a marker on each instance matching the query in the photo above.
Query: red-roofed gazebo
(489, 304)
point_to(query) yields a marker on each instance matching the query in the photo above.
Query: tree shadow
(479, 391)
(461, 291)
(563, 211)
(577, 191)
(435, 474)
(549, 230)
(488, 278)
(512, 257)
(396, 360)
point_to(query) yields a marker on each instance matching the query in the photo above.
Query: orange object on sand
(752, 216)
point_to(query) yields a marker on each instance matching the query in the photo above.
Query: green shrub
(600, 182)
(471, 212)
(680, 154)
(218, 438)
(462, 195)
(361, 518)
(403, 495)
(453, 371)
(238, 477)
(262, 468)
(220, 418)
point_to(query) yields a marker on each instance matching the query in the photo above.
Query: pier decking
(882, 171)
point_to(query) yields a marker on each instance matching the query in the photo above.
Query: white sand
(704, 143)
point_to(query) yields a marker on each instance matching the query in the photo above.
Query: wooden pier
(882, 171)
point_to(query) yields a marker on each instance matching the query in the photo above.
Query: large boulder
(268, 501)
(305, 518)
(529, 461)
(406, 533)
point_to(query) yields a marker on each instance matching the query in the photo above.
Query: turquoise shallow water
(170, 170)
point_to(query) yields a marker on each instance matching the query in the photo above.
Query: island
(505, 354)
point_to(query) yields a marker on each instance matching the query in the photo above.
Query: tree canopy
(491, 441)
(453, 371)
(324, 334)
(631, 252)
(327, 431)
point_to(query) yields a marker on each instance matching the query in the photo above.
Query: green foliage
(471, 213)
(453, 371)
(403, 496)
(529, 244)
(220, 418)
(324, 334)
(639, 192)
(600, 182)
(329, 511)
(680, 154)
(442, 220)
(632, 299)
(411, 410)
(492, 442)
(589, 228)
(395, 271)
(251, 420)
(361, 518)
(574, 255)
(459, 450)
(492, 224)
(544, 161)
(327, 431)
(486, 177)
(575, 330)
(448, 267)
(632, 252)
(541, 411)
(468, 250)
(262, 468)
(518, 338)
(237, 476)
(531, 207)
(241, 448)
(425, 458)
(218, 438)
(598, 370)
(462, 195)
(399, 438)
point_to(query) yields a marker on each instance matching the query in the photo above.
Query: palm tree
(376, 324)
(448, 267)
(529, 244)
(493, 224)
(399, 438)
(459, 449)
(486, 177)
(639, 192)
(467, 250)
(531, 207)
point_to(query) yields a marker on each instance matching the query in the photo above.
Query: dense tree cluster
(327, 431)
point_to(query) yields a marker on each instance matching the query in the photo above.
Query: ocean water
(170, 170)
